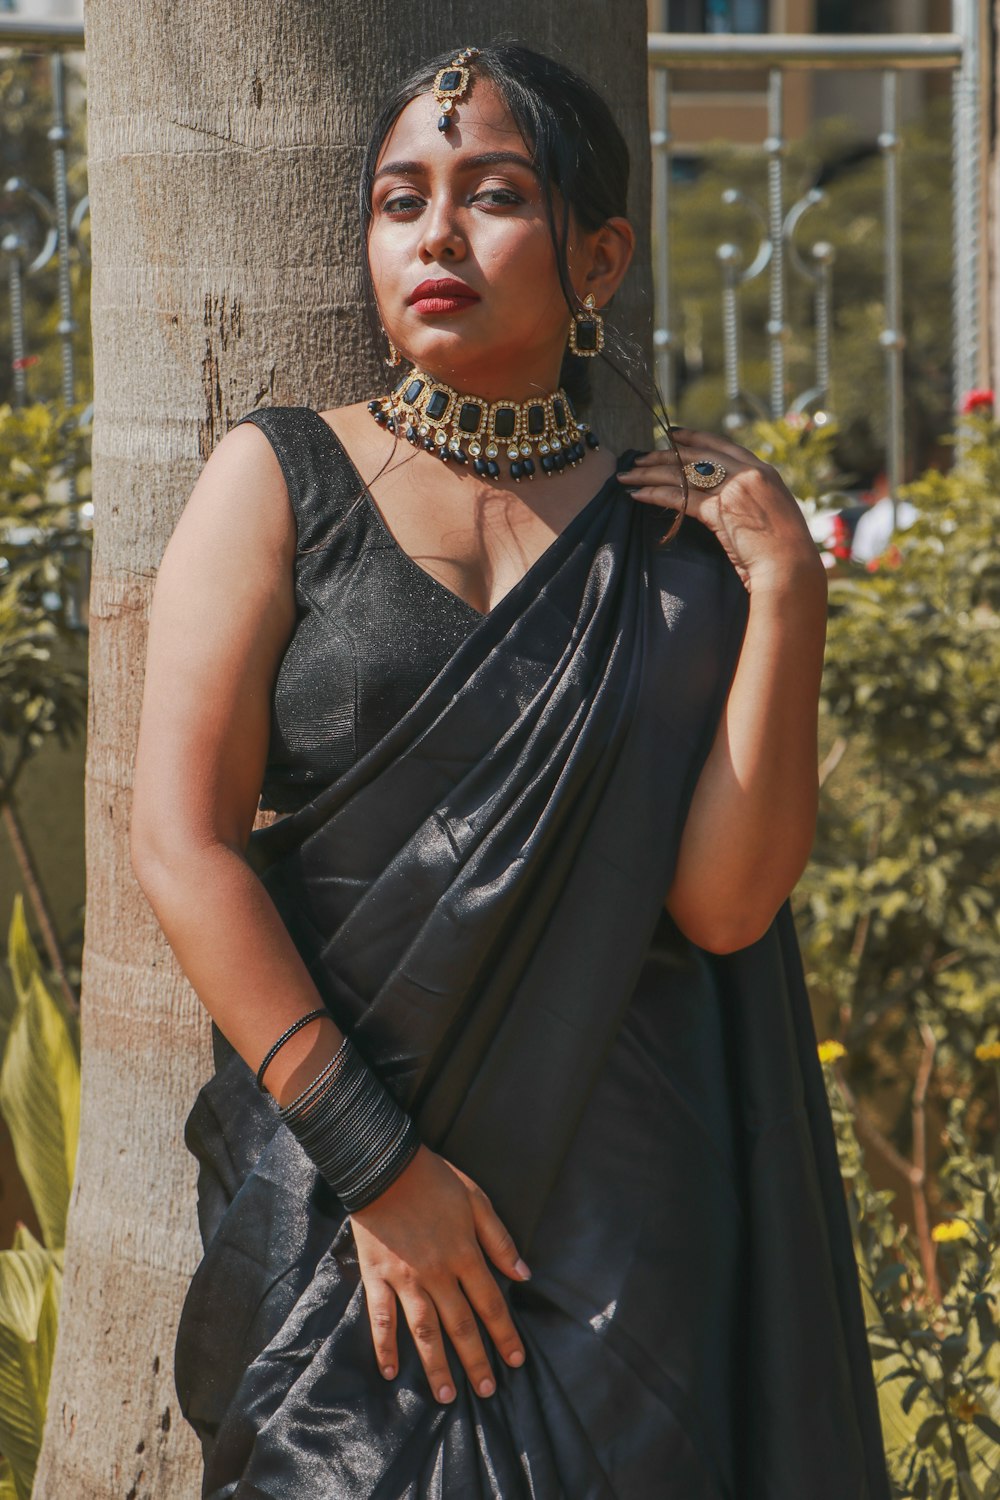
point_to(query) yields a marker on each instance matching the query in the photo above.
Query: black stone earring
(586, 332)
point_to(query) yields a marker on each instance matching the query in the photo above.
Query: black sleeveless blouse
(372, 628)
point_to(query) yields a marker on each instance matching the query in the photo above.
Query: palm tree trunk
(224, 145)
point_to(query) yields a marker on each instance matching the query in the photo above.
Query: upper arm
(222, 613)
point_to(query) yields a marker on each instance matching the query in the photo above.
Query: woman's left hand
(755, 516)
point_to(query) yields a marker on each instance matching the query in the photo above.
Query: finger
(381, 1301)
(489, 1302)
(461, 1327)
(495, 1237)
(421, 1314)
(663, 464)
(667, 494)
(693, 438)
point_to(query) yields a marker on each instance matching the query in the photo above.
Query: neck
(490, 388)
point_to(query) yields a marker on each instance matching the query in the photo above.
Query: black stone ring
(704, 474)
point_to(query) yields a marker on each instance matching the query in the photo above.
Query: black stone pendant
(704, 466)
(444, 122)
(586, 334)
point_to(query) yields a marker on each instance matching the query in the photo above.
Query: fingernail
(486, 1387)
(388, 1371)
(445, 1392)
(522, 1269)
(516, 1358)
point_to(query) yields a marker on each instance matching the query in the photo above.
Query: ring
(703, 473)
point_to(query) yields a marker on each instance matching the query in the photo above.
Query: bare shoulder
(367, 444)
(241, 492)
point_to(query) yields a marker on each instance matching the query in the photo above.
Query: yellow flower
(964, 1406)
(951, 1229)
(830, 1051)
(988, 1051)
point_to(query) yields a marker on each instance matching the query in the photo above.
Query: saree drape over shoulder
(479, 897)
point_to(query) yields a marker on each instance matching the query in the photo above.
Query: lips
(442, 294)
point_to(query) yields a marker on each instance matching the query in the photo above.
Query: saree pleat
(479, 900)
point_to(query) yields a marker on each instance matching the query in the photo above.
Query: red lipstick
(442, 294)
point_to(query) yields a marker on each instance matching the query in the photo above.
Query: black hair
(578, 148)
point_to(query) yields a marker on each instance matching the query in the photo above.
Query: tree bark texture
(225, 142)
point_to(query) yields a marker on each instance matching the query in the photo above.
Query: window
(717, 15)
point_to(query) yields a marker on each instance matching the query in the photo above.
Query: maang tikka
(451, 83)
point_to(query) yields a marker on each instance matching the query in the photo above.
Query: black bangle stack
(283, 1038)
(352, 1128)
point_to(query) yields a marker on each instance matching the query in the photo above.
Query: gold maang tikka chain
(541, 433)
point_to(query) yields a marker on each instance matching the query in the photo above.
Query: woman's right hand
(422, 1240)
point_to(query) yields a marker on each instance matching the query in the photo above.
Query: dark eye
(506, 195)
(391, 205)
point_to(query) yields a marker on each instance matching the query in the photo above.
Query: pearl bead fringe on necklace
(540, 433)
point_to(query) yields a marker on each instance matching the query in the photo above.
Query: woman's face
(466, 204)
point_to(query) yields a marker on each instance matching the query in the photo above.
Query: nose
(441, 238)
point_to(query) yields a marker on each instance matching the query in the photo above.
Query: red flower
(974, 399)
(25, 361)
(840, 544)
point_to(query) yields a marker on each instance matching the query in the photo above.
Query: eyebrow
(484, 159)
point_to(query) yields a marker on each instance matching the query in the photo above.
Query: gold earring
(586, 332)
(393, 357)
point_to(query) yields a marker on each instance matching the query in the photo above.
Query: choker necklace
(541, 432)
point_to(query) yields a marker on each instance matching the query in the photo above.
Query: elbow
(156, 855)
(721, 932)
(726, 937)
(148, 863)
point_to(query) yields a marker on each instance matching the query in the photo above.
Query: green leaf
(40, 1095)
(30, 1288)
(987, 1425)
(928, 1428)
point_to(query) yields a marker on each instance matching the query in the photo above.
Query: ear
(609, 252)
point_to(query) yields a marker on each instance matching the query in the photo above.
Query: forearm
(752, 819)
(235, 950)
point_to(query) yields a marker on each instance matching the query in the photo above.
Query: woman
(512, 982)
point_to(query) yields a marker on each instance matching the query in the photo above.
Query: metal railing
(58, 222)
(957, 51)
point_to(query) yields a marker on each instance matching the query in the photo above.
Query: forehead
(482, 123)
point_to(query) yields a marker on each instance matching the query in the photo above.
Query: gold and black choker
(542, 432)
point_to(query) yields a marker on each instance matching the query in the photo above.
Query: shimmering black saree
(479, 899)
